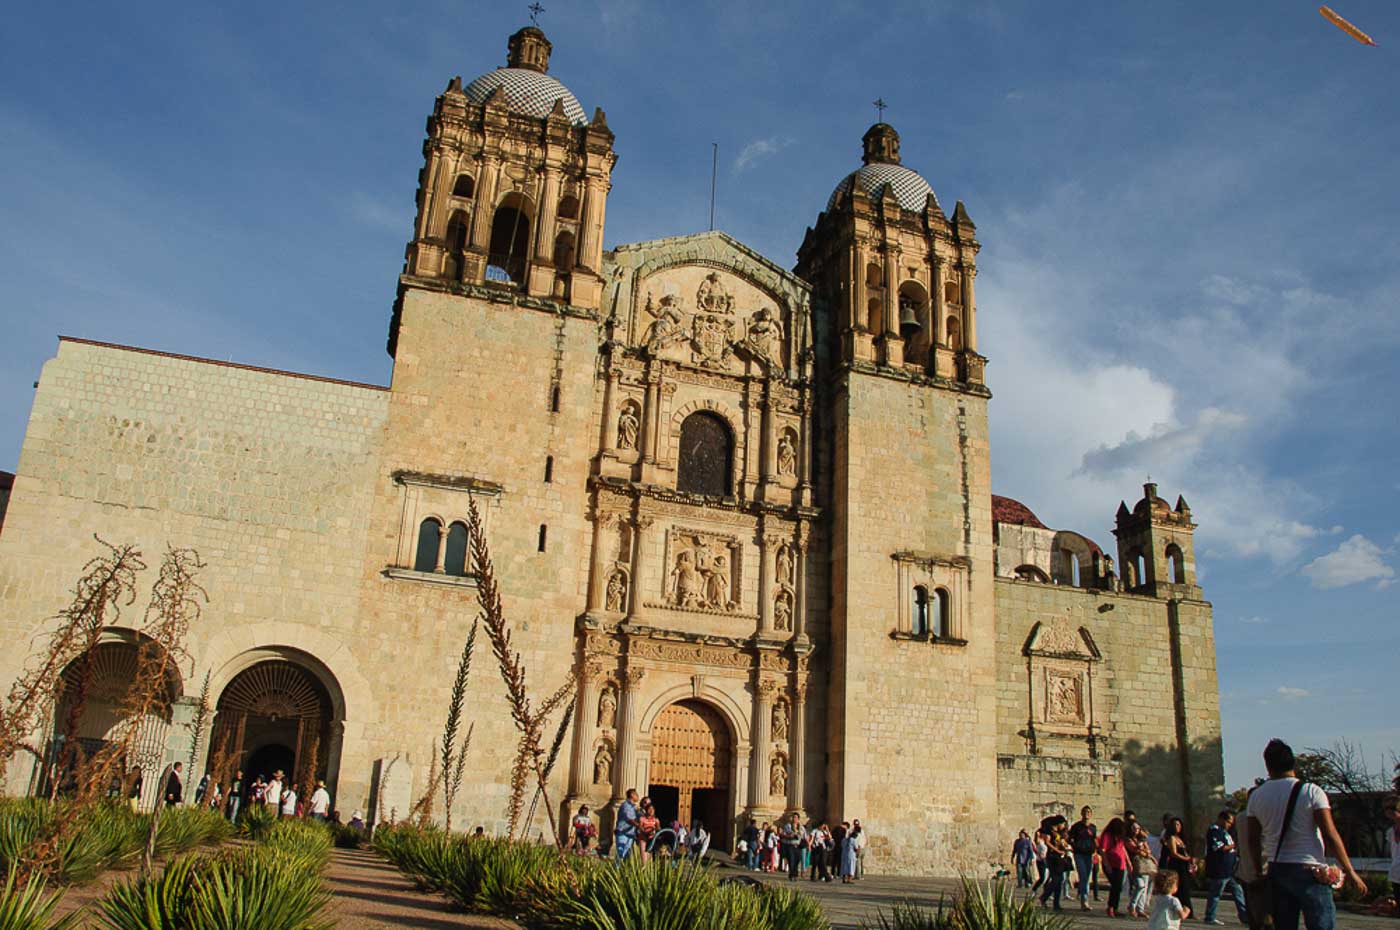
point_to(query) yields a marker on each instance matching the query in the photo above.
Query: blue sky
(1189, 213)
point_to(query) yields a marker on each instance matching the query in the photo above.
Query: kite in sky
(1345, 26)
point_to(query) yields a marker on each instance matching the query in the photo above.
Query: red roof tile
(1006, 510)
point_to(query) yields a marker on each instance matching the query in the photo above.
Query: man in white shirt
(320, 802)
(289, 801)
(1293, 855)
(272, 793)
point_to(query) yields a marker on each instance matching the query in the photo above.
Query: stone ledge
(408, 574)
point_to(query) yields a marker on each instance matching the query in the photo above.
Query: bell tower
(513, 190)
(1156, 547)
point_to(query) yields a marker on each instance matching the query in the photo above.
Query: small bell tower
(1156, 547)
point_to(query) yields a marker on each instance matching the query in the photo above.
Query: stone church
(748, 506)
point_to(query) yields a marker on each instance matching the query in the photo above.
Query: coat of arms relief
(714, 329)
(702, 572)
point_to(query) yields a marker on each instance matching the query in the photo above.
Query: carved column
(797, 743)
(766, 548)
(940, 313)
(634, 592)
(581, 765)
(768, 445)
(442, 549)
(590, 252)
(628, 712)
(969, 308)
(799, 607)
(764, 692)
(610, 391)
(544, 224)
(601, 567)
(804, 459)
(858, 293)
(485, 197)
(651, 414)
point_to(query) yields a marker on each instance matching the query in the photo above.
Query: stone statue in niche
(701, 577)
(629, 422)
(782, 612)
(1062, 699)
(780, 721)
(607, 708)
(777, 775)
(602, 765)
(787, 454)
(765, 337)
(617, 591)
(669, 326)
(786, 565)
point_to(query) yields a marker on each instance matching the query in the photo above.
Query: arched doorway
(277, 714)
(691, 755)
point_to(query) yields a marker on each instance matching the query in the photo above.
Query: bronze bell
(908, 319)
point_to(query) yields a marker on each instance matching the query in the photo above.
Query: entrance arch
(690, 771)
(281, 711)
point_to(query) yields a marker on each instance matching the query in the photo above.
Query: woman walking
(1113, 854)
(1176, 857)
(1057, 859)
(821, 848)
(1041, 869)
(848, 856)
(1144, 871)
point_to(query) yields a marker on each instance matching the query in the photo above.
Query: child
(1167, 911)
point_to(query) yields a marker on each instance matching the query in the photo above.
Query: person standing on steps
(1083, 839)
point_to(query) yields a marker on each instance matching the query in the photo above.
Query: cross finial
(880, 106)
(535, 11)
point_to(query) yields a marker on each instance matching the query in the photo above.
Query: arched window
(952, 292)
(564, 252)
(875, 316)
(874, 276)
(454, 562)
(954, 333)
(455, 245)
(1176, 564)
(918, 620)
(429, 538)
(914, 322)
(1130, 575)
(706, 456)
(942, 615)
(464, 186)
(568, 207)
(510, 236)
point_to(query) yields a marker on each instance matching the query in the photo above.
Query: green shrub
(29, 908)
(347, 837)
(158, 901)
(303, 841)
(989, 906)
(255, 820)
(184, 828)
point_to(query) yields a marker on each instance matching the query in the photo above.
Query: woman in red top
(1113, 853)
(648, 825)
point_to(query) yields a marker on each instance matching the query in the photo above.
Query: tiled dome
(910, 189)
(527, 92)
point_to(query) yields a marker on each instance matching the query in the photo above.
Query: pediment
(1056, 638)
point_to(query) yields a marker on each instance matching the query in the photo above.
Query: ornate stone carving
(787, 453)
(629, 422)
(786, 565)
(617, 591)
(1056, 637)
(768, 688)
(780, 721)
(712, 339)
(607, 707)
(713, 296)
(701, 575)
(1064, 697)
(765, 337)
(778, 775)
(782, 611)
(602, 764)
(634, 677)
(690, 653)
(593, 669)
(669, 326)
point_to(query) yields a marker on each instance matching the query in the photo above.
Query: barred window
(706, 456)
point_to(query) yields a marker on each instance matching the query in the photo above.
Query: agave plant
(29, 908)
(262, 887)
(150, 902)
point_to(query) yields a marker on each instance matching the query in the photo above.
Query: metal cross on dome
(880, 107)
(535, 11)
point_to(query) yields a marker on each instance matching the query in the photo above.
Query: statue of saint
(787, 454)
(717, 585)
(765, 336)
(628, 423)
(617, 592)
(602, 766)
(689, 584)
(777, 777)
(607, 708)
(668, 327)
(785, 565)
(780, 721)
(782, 612)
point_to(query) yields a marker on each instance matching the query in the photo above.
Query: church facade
(748, 508)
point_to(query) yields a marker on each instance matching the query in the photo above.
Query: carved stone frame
(735, 552)
(1061, 658)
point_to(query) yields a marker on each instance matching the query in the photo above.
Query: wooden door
(690, 749)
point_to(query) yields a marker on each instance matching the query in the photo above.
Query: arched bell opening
(510, 239)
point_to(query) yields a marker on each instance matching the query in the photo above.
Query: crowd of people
(277, 794)
(1278, 873)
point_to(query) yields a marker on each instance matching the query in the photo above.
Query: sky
(1188, 211)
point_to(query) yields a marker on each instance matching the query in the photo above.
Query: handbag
(1258, 892)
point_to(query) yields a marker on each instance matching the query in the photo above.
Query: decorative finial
(880, 106)
(535, 11)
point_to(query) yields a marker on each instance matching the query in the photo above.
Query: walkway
(370, 894)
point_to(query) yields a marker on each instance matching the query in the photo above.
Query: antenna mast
(714, 174)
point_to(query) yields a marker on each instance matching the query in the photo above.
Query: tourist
(201, 789)
(582, 831)
(838, 844)
(1144, 866)
(1022, 855)
(289, 801)
(625, 829)
(770, 848)
(174, 786)
(1221, 858)
(272, 792)
(792, 835)
(1113, 854)
(1392, 812)
(1083, 837)
(648, 825)
(858, 834)
(235, 796)
(1289, 823)
(848, 854)
(1041, 869)
(748, 846)
(1057, 859)
(478, 834)
(699, 840)
(1154, 840)
(320, 802)
(1168, 911)
(821, 853)
(215, 794)
(357, 820)
(1176, 857)
(133, 793)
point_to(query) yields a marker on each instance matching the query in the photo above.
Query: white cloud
(760, 148)
(1293, 694)
(1352, 562)
(1255, 621)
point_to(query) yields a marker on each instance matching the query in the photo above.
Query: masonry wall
(268, 475)
(1160, 749)
(913, 722)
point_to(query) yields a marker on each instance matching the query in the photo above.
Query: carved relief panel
(712, 319)
(702, 571)
(1061, 663)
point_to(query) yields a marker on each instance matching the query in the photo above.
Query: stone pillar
(599, 567)
(764, 692)
(335, 745)
(797, 743)
(442, 550)
(858, 295)
(804, 457)
(940, 312)
(610, 391)
(544, 220)
(969, 272)
(590, 250)
(891, 314)
(580, 765)
(634, 592)
(484, 212)
(766, 550)
(650, 415)
(799, 607)
(628, 713)
(768, 445)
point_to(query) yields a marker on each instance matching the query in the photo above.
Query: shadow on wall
(1160, 779)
